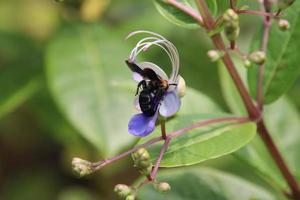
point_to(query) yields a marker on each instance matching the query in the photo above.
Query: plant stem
(232, 4)
(253, 112)
(163, 129)
(102, 163)
(161, 154)
(207, 122)
(264, 134)
(256, 12)
(261, 68)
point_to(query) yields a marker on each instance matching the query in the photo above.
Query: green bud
(142, 161)
(258, 57)
(231, 24)
(283, 4)
(82, 167)
(130, 197)
(247, 63)
(230, 16)
(214, 55)
(283, 24)
(163, 187)
(122, 190)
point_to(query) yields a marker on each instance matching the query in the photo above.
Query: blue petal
(170, 104)
(141, 125)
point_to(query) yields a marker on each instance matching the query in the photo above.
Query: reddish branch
(256, 12)
(253, 112)
(261, 69)
(103, 163)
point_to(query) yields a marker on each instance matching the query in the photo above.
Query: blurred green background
(37, 140)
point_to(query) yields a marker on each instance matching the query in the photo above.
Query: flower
(142, 124)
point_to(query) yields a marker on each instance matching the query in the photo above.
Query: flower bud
(283, 24)
(231, 22)
(142, 161)
(214, 55)
(130, 197)
(163, 187)
(258, 57)
(82, 167)
(283, 4)
(247, 63)
(122, 190)
(181, 87)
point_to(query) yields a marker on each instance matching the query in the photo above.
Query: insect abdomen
(147, 104)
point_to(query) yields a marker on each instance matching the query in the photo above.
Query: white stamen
(160, 41)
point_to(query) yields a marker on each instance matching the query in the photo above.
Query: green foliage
(202, 144)
(21, 67)
(176, 16)
(205, 183)
(282, 66)
(82, 85)
(180, 18)
(90, 101)
(282, 120)
(283, 124)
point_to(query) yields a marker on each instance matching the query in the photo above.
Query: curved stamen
(161, 42)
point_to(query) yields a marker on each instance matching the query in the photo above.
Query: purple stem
(261, 69)
(102, 163)
(161, 154)
(256, 12)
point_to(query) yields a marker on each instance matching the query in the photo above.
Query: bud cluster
(125, 192)
(231, 25)
(142, 161)
(257, 57)
(82, 167)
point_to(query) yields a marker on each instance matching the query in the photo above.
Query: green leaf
(175, 15)
(282, 65)
(49, 118)
(20, 70)
(194, 102)
(204, 143)
(180, 18)
(204, 183)
(283, 122)
(92, 85)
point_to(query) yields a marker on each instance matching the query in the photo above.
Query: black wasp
(153, 89)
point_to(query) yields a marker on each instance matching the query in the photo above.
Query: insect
(153, 89)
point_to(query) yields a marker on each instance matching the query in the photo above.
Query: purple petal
(170, 104)
(141, 125)
(137, 77)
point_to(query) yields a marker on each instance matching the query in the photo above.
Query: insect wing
(135, 68)
(151, 74)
